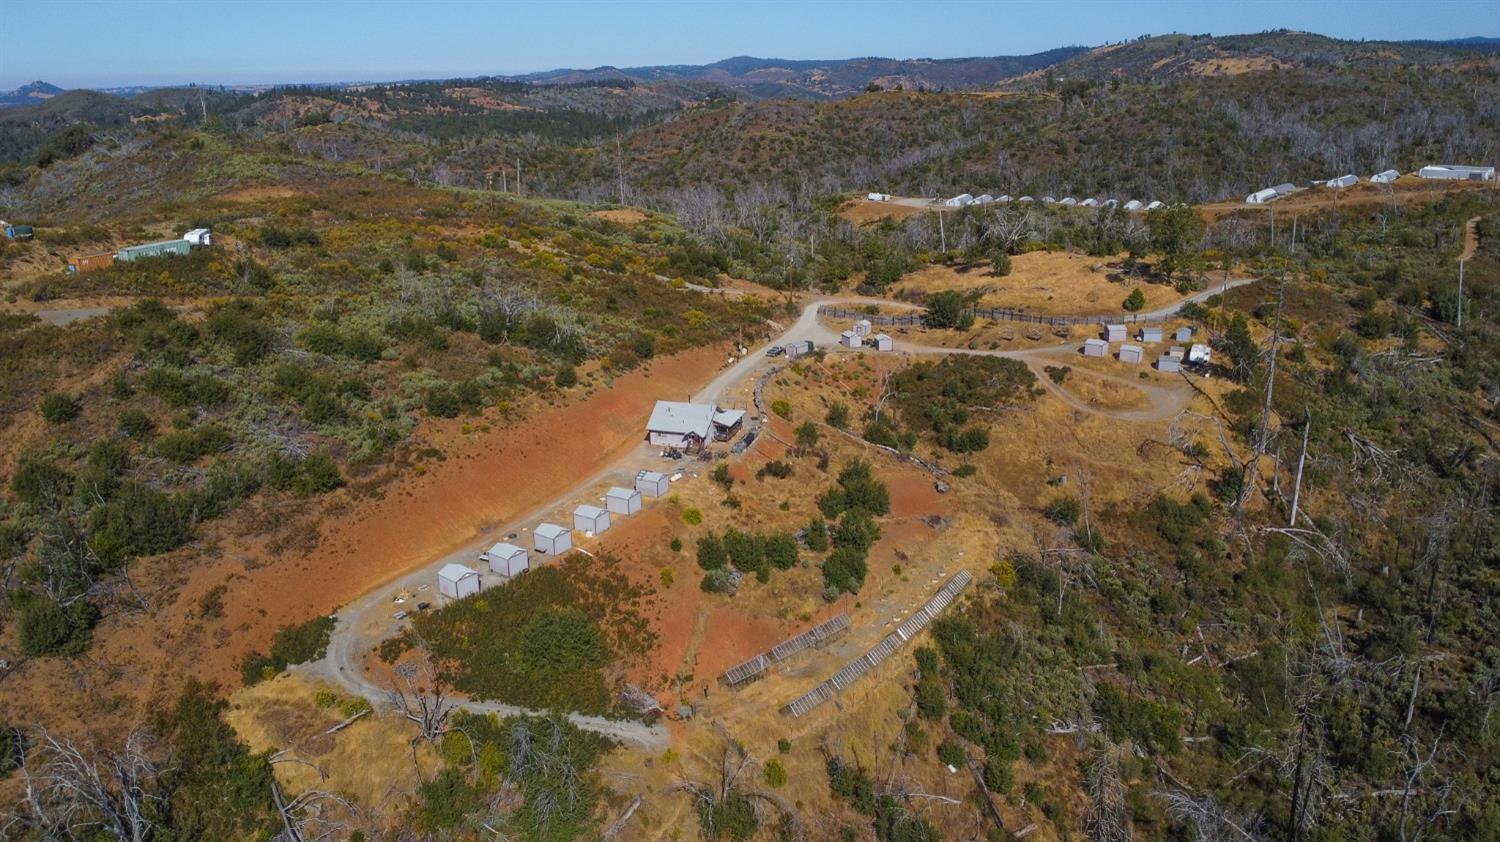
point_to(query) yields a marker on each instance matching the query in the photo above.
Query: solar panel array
(888, 646)
(741, 674)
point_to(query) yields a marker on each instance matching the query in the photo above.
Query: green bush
(817, 535)
(290, 645)
(857, 489)
(780, 551)
(442, 402)
(58, 408)
(1135, 300)
(711, 553)
(38, 479)
(1064, 511)
(566, 378)
(134, 424)
(50, 629)
(237, 326)
(845, 569)
(561, 640)
(190, 445)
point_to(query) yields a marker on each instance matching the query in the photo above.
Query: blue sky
(98, 43)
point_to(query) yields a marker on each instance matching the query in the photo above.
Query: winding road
(365, 622)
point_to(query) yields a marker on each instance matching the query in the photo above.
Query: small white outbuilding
(1095, 348)
(1169, 365)
(1260, 197)
(881, 342)
(879, 197)
(652, 484)
(507, 559)
(1048, 200)
(456, 581)
(1004, 200)
(1385, 177)
(1068, 200)
(1131, 353)
(983, 199)
(1184, 334)
(1150, 334)
(850, 339)
(199, 237)
(1114, 332)
(1134, 204)
(1156, 205)
(1177, 352)
(552, 539)
(959, 201)
(863, 327)
(1342, 181)
(625, 501)
(590, 519)
(1199, 354)
(1089, 203)
(1026, 199)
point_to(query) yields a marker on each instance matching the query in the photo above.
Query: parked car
(423, 606)
(775, 351)
(402, 615)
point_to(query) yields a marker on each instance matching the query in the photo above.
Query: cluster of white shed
(504, 558)
(1442, 172)
(1171, 361)
(860, 334)
(963, 200)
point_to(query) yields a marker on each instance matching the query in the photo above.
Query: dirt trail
(1471, 238)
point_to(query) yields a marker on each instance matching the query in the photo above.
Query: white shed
(1168, 364)
(456, 581)
(879, 197)
(863, 327)
(1199, 353)
(552, 539)
(1285, 188)
(881, 342)
(983, 199)
(961, 200)
(1068, 200)
(799, 348)
(199, 237)
(1004, 200)
(1026, 199)
(1457, 172)
(1089, 203)
(1150, 334)
(1385, 177)
(1260, 197)
(1095, 348)
(1048, 200)
(1184, 334)
(850, 339)
(1176, 352)
(592, 519)
(1134, 204)
(652, 484)
(507, 559)
(625, 501)
(1131, 353)
(1156, 205)
(1109, 203)
(1342, 181)
(1114, 332)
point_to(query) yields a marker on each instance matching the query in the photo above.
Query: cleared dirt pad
(1047, 283)
(624, 216)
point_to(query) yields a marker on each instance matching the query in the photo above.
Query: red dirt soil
(491, 479)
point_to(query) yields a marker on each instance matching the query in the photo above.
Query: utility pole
(1460, 293)
(942, 232)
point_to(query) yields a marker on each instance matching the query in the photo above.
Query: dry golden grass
(1046, 283)
(371, 759)
(862, 211)
(623, 216)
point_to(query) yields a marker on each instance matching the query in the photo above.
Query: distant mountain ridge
(31, 94)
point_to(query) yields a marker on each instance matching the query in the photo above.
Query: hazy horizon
(94, 44)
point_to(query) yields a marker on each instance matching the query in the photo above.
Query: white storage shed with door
(1342, 181)
(590, 519)
(1156, 205)
(1150, 334)
(863, 327)
(507, 559)
(1184, 334)
(1114, 332)
(850, 339)
(1095, 348)
(456, 581)
(625, 501)
(1385, 177)
(1134, 204)
(199, 237)
(1068, 200)
(552, 539)
(1169, 365)
(1260, 197)
(652, 484)
(1199, 354)
(881, 342)
(1131, 353)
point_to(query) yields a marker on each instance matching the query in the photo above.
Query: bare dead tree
(1210, 821)
(417, 693)
(732, 762)
(1108, 818)
(76, 792)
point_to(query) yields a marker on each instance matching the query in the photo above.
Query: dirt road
(365, 622)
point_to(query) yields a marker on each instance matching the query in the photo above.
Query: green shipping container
(154, 249)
